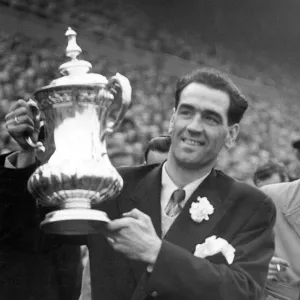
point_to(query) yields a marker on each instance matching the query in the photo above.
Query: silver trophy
(79, 109)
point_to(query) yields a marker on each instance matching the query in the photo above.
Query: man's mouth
(192, 142)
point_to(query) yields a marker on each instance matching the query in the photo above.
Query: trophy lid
(75, 71)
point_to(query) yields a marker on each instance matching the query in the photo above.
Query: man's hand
(21, 123)
(276, 265)
(134, 236)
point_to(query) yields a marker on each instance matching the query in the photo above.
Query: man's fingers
(20, 115)
(110, 240)
(118, 224)
(137, 214)
(17, 104)
(272, 277)
(21, 129)
(277, 260)
(19, 121)
(134, 213)
(272, 272)
(273, 269)
(18, 111)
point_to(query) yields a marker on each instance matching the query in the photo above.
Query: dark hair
(216, 80)
(296, 144)
(267, 170)
(161, 144)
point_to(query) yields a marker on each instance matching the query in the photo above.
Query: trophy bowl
(79, 110)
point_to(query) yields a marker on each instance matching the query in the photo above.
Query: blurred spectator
(296, 147)
(28, 63)
(157, 149)
(269, 173)
(120, 158)
(284, 269)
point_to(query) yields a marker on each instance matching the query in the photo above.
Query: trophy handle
(36, 114)
(118, 86)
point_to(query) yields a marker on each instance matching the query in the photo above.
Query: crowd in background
(28, 63)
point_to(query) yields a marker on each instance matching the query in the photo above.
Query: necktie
(175, 204)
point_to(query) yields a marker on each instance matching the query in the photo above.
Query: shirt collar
(168, 186)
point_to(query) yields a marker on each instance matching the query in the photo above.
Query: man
(120, 158)
(296, 148)
(271, 172)
(33, 265)
(148, 252)
(157, 150)
(284, 269)
(166, 215)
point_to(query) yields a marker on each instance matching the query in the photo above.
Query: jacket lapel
(184, 232)
(187, 233)
(146, 198)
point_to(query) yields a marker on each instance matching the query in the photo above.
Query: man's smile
(192, 142)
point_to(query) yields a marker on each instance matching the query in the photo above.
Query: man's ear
(171, 125)
(232, 135)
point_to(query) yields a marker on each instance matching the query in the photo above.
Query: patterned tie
(175, 204)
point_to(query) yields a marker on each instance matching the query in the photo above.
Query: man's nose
(195, 125)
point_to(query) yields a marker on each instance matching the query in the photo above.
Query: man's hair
(216, 80)
(161, 144)
(296, 144)
(265, 171)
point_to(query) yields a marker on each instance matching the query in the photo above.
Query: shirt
(10, 161)
(168, 188)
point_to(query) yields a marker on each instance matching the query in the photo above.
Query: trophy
(79, 109)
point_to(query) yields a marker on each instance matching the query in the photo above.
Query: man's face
(274, 178)
(200, 126)
(120, 161)
(155, 157)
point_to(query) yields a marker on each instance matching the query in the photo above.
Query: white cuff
(11, 160)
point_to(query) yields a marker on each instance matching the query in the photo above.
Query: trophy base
(75, 221)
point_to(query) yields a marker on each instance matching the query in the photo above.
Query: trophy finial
(74, 66)
(72, 50)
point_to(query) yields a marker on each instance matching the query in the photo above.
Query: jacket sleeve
(178, 274)
(19, 216)
(23, 243)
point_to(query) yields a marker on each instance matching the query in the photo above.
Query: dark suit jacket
(33, 266)
(37, 266)
(243, 215)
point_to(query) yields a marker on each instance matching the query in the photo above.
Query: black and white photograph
(149, 150)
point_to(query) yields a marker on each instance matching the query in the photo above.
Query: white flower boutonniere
(201, 210)
(214, 245)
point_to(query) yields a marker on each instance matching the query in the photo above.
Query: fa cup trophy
(80, 109)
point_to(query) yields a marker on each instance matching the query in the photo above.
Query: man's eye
(212, 120)
(185, 112)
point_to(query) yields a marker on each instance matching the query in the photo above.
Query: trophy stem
(76, 202)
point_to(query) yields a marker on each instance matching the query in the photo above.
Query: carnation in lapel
(201, 210)
(214, 245)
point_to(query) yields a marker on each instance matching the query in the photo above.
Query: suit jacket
(286, 197)
(33, 266)
(243, 215)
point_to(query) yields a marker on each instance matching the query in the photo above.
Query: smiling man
(154, 232)
(180, 230)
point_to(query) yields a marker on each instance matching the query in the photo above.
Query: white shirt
(167, 189)
(10, 160)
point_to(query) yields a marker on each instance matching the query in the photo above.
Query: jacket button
(154, 294)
